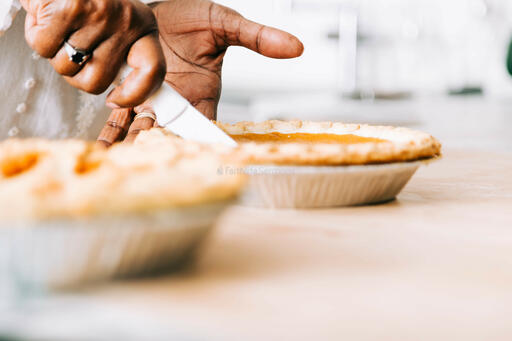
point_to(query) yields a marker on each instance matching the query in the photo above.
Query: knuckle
(102, 7)
(128, 17)
(134, 131)
(63, 67)
(32, 42)
(94, 82)
(90, 88)
(73, 9)
(144, 108)
(103, 11)
(39, 43)
(61, 70)
(45, 51)
(103, 142)
(95, 88)
(138, 19)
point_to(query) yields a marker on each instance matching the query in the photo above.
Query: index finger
(147, 60)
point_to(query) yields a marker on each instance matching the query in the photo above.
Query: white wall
(315, 69)
(425, 46)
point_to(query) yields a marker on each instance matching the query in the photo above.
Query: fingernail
(112, 105)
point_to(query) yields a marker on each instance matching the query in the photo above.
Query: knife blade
(178, 116)
(175, 114)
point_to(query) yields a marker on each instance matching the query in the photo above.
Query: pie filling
(276, 137)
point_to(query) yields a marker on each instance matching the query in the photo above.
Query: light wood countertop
(436, 264)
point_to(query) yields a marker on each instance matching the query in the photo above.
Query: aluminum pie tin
(303, 187)
(62, 254)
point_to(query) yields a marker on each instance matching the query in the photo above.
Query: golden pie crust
(71, 178)
(364, 144)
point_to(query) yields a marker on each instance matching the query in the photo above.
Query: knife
(175, 114)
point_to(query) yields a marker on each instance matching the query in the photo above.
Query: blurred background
(435, 65)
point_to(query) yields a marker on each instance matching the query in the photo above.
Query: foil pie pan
(302, 187)
(68, 253)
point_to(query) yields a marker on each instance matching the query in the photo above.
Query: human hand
(195, 35)
(113, 32)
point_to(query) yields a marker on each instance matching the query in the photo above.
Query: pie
(328, 144)
(46, 179)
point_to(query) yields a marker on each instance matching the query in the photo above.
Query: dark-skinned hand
(195, 35)
(113, 32)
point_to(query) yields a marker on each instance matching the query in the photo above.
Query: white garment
(34, 99)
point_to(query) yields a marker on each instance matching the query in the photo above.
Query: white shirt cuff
(8, 10)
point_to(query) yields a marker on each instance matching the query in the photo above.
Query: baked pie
(327, 143)
(74, 214)
(300, 164)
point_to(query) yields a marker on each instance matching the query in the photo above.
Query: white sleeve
(8, 10)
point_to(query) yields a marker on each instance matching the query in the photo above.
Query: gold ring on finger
(145, 115)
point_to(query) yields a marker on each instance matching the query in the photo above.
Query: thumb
(268, 41)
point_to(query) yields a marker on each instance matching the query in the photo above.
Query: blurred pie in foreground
(71, 178)
(327, 143)
(74, 214)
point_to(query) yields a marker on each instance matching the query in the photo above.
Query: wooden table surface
(436, 264)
